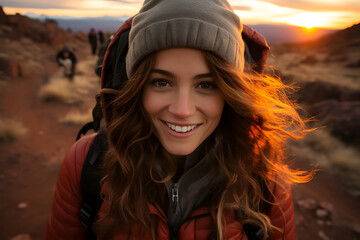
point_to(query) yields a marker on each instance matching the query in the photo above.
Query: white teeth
(182, 129)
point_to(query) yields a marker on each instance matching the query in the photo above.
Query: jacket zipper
(174, 231)
(175, 197)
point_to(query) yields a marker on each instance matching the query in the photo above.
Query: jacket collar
(201, 175)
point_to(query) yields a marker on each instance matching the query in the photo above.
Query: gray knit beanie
(209, 25)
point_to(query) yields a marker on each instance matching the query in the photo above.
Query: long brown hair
(250, 139)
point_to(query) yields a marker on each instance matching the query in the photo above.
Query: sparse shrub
(76, 118)
(11, 130)
(58, 89)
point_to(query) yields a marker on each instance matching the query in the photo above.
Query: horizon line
(39, 16)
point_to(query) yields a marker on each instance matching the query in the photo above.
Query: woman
(195, 143)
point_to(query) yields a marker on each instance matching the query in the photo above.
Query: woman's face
(182, 100)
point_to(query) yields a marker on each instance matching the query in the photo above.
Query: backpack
(113, 75)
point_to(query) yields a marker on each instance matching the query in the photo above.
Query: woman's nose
(183, 105)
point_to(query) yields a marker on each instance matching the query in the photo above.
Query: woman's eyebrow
(171, 75)
(163, 72)
(203, 75)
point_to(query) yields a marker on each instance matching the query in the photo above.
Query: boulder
(12, 67)
(314, 92)
(83, 37)
(55, 38)
(307, 203)
(342, 119)
(50, 25)
(2, 13)
(317, 91)
(3, 17)
(322, 213)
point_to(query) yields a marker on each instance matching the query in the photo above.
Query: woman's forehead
(181, 61)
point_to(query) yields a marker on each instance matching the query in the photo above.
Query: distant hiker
(67, 59)
(93, 41)
(101, 37)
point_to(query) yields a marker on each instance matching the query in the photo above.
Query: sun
(309, 25)
(308, 20)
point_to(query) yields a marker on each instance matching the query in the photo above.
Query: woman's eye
(207, 85)
(160, 83)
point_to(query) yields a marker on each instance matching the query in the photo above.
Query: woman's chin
(179, 151)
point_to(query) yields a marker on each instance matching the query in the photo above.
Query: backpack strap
(114, 56)
(90, 183)
(95, 124)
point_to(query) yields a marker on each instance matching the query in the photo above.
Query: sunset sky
(307, 13)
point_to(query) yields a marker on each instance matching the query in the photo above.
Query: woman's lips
(183, 129)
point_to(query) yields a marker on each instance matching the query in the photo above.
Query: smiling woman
(182, 100)
(195, 134)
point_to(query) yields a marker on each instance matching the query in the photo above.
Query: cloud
(126, 1)
(318, 6)
(34, 4)
(242, 8)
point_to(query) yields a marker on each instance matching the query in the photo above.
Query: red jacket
(64, 222)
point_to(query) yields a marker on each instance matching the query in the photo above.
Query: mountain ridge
(274, 33)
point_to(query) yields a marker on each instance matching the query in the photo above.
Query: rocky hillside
(328, 70)
(17, 27)
(26, 44)
(349, 37)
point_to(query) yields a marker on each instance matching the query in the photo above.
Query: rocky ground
(34, 93)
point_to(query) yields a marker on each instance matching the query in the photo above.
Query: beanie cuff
(189, 33)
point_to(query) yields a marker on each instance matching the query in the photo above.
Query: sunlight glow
(250, 12)
(263, 11)
(309, 20)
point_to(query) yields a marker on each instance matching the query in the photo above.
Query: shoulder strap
(115, 56)
(95, 124)
(90, 183)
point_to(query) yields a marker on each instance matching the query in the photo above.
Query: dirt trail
(29, 167)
